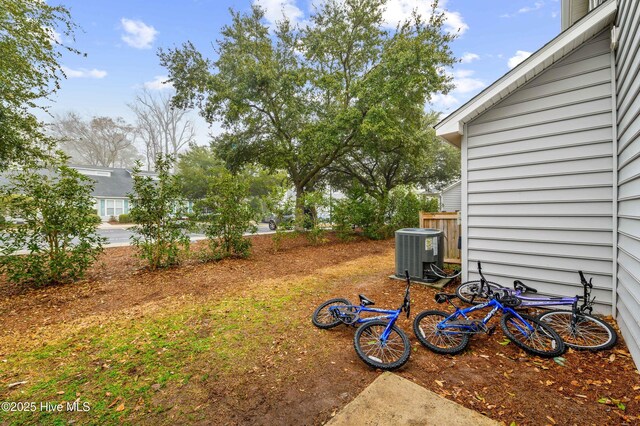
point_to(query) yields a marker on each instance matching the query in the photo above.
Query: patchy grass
(119, 366)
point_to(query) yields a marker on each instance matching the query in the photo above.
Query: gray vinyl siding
(451, 198)
(539, 181)
(628, 128)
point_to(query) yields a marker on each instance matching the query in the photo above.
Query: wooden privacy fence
(449, 223)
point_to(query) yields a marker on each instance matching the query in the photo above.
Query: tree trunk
(300, 218)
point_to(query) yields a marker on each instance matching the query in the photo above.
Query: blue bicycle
(378, 341)
(445, 333)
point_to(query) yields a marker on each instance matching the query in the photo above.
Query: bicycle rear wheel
(467, 290)
(386, 355)
(588, 332)
(542, 341)
(323, 318)
(446, 342)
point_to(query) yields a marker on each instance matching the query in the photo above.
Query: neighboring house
(551, 164)
(111, 189)
(450, 197)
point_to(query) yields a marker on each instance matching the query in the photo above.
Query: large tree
(100, 141)
(410, 154)
(301, 98)
(30, 51)
(164, 129)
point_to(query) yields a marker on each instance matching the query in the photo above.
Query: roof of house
(451, 128)
(451, 186)
(110, 182)
(118, 184)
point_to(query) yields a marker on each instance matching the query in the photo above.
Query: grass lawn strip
(118, 365)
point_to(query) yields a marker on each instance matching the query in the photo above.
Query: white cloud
(555, 14)
(520, 56)
(447, 101)
(399, 10)
(465, 83)
(83, 73)
(276, 10)
(138, 34)
(158, 83)
(536, 6)
(469, 57)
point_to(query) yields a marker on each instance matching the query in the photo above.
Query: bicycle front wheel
(446, 342)
(323, 318)
(467, 290)
(541, 341)
(386, 354)
(588, 332)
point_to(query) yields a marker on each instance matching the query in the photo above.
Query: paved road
(121, 235)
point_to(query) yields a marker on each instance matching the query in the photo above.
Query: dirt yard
(232, 343)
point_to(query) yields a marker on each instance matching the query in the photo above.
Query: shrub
(227, 214)
(124, 218)
(357, 211)
(159, 237)
(404, 208)
(59, 229)
(378, 218)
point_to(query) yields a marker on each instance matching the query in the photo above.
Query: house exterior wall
(627, 71)
(451, 198)
(538, 180)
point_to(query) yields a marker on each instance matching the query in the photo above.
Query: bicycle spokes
(381, 350)
(534, 337)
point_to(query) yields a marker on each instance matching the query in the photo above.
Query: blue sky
(121, 39)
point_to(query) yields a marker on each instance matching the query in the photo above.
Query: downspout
(464, 255)
(614, 131)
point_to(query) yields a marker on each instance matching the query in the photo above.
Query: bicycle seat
(443, 297)
(364, 301)
(519, 285)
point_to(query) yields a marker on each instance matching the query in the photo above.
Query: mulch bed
(310, 386)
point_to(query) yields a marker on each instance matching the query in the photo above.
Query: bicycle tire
(590, 333)
(390, 356)
(467, 289)
(543, 342)
(322, 318)
(434, 339)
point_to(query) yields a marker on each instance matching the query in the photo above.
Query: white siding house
(551, 164)
(450, 198)
(627, 112)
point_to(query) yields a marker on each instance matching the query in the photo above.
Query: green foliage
(403, 209)
(30, 70)
(377, 218)
(310, 222)
(198, 164)
(194, 169)
(430, 205)
(301, 98)
(59, 232)
(157, 207)
(227, 215)
(124, 218)
(357, 210)
(410, 155)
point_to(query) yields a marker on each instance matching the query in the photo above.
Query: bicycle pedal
(491, 330)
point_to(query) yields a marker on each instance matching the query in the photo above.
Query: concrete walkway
(392, 400)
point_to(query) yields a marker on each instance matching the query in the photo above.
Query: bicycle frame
(347, 312)
(545, 301)
(467, 328)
